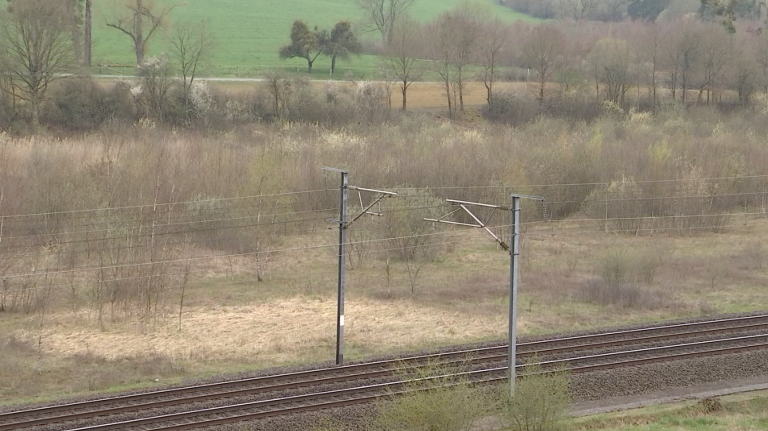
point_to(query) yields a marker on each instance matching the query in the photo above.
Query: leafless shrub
(362, 239)
(752, 256)
(373, 102)
(694, 206)
(438, 398)
(640, 265)
(625, 295)
(509, 108)
(410, 239)
(540, 402)
(154, 90)
(619, 204)
(647, 263)
(80, 104)
(279, 88)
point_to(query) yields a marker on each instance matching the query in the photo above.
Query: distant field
(421, 95)
(250, 33)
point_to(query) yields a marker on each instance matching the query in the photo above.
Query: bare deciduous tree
(36, 48)
(384, 14)
(492, 42)
(75, 12)
(744, 73)
(192, 43)
(611, 10)
(452, 44)
(440, 52)
(411, 240)
(401, 52)
(682, 56)
(610, 59)
(761, 56)
(88, 30)
(649, 45)
(156, 81)
(716, 48)
(465, 26)
(577, 9)
(140, 22)
(279, 90)
(541, 51)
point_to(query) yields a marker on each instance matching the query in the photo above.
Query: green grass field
(746, 411)
(250, 32)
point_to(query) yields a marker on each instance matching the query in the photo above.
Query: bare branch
(37, 48)
(384, 14)
(132, 23)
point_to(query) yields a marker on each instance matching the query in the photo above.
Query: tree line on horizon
(645, 10)
(42, 41)
(707, 53)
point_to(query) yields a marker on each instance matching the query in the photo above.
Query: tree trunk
(405, 90)
(35, 110)
(597, 89)
(448, 94)
(139, 32)
(88, 26)
(674, 89)
(277, 100)
(490, 84)
(309, 65)
(139, 47)
(333, 64)
(76, 36)
(489, 89)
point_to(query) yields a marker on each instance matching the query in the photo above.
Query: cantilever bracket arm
(382, 194)
(463, 206)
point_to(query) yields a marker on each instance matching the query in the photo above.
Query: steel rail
(360, 394)
(385, 368)
(371, 398)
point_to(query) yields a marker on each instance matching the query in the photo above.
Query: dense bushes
(509, 108)
(82, 104)
(515, 109)
(685, 167)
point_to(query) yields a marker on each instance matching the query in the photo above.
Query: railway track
(261, 397)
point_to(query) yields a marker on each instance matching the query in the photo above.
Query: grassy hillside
(250, 32)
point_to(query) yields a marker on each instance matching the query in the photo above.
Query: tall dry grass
(162, 193)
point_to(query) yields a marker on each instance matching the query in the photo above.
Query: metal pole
(514, 265)
(342, 269)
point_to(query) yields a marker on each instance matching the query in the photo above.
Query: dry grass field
(232, 322)
(421, 95)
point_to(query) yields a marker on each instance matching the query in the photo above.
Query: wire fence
(139, 256)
